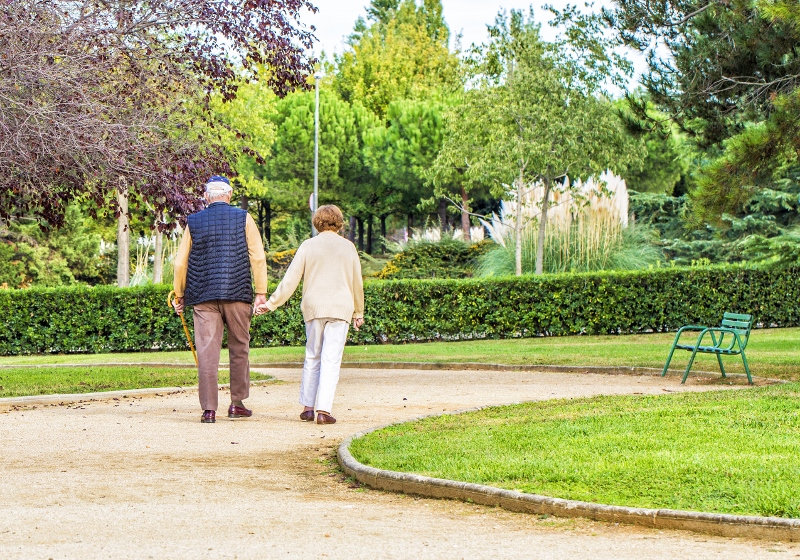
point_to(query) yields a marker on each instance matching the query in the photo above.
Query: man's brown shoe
(209, 417)
(324, 418)
(307, 416)
(239, 412)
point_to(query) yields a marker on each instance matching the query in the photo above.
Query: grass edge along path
(722, 451)
(771, 353)
(33, 381)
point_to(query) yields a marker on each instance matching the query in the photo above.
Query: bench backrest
(740, 323)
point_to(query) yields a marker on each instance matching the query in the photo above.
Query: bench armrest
(689, 328)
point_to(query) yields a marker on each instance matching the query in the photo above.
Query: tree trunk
(542, 227)
(268, 222)
(264, 218)
(244, 202)
(383, 234)
(351, 234)
(123, 241)
(465, 225)
(369, 235)
(410, 226)
(518, 230)
(443, 215)
(158, 258)
(360, 223)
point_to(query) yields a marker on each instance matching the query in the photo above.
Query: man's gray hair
(213, 196)
(217, 188)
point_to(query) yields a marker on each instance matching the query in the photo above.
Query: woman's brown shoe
(325, 418)
(307, 416)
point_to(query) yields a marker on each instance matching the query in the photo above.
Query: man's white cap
(218, 184)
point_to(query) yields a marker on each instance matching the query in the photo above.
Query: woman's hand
(260, 304)
(357, 323)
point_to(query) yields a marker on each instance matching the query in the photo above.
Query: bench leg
(746, 368)
(689, 366)
(669, 357)
(721, 367)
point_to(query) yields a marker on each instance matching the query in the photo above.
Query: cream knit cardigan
(330, 269)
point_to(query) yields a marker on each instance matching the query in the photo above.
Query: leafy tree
(727, 59)
(448, 174)
(93, 94)
(535, 116)
(290, 167)
(380, 11)
(403, 54)
(247, 133)
(669, 157)
(752, 160)
(364, 195)
(401, 153)
(31, 255)
(730, 80)
(343, 177)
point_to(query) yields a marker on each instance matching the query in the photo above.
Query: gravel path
(140, 477)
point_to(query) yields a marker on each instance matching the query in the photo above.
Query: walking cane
(170, 299)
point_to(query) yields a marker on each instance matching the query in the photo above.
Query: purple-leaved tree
(100, 97)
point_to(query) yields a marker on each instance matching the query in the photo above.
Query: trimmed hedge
(106, 319)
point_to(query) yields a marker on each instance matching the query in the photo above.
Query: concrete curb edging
(720, 524)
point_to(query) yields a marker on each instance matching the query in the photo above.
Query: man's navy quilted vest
(219, 263)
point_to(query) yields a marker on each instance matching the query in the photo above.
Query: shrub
(448, 258)
(279, 261)
(107, 319)
(581, 247)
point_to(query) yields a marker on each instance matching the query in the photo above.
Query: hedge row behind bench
(108, 319)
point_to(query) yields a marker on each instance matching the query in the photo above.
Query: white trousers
(324, 348)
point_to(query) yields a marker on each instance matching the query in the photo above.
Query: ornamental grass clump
(588, 230)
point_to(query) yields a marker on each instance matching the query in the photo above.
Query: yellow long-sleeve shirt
(255, 249)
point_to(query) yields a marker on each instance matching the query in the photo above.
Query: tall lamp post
(315, 202)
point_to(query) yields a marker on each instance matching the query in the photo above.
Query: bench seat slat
(707, 349)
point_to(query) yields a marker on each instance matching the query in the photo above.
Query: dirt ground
(140, 477)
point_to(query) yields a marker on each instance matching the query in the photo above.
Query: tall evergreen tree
(403, 54)
(401, 153)
(730, 81)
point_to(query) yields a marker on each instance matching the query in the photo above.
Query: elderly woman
(333, 296)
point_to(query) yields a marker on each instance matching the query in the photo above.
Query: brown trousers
(210, 318)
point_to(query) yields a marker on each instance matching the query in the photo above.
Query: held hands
(260, 305)
(177, 303)
(358, 323)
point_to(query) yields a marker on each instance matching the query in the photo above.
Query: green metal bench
(729, 339)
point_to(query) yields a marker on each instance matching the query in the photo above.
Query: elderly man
(219, 248)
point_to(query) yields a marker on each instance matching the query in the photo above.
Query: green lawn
(771, 353)
(26, 381)
(723, 451)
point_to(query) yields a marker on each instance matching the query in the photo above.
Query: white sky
(335, 20)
